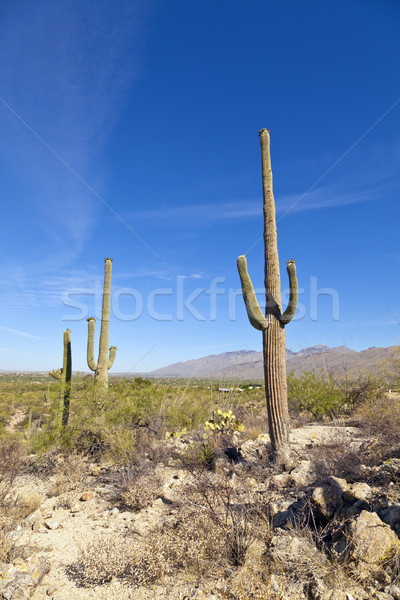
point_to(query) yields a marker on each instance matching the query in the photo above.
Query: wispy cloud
(21, 333)
(23, 290)
(12, 351)
(248, 208)
(389, 321)
(70, 87)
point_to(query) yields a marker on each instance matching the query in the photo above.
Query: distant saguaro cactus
(273, 323)
(64, 375)
(106, 359)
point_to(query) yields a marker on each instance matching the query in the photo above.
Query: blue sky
(129, 129)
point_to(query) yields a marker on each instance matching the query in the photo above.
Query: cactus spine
(273, 324)
(106, 359)
(64, 375)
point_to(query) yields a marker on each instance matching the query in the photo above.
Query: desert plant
(316, 394)
(64, 375)
(223, 423)
(273, 323)
(106, 355)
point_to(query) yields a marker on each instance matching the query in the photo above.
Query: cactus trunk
(274, 346)
(64, 375)
(273, 324)
(106, 355)
(65, 392)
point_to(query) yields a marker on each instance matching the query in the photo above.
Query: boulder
(283, 480)
(394, 591)
(328, 496)
(371, 541)
(358, 492)
(18, 582)
(304, 474)
(391, 516)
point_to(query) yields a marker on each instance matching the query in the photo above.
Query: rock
(390, 515)
(253, 450)
(34, 517)
(25, 551)
(328, 497)
(94, 470)
(19, 583)
(158, 503)
(75, 509)
(51, 590)
(358, 491)
(372, 542)
(86, 496)
(281, 481)
(51, 524)
(335, 595)
(394, 591)
(304, 474)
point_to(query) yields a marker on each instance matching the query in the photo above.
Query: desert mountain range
(248, 364)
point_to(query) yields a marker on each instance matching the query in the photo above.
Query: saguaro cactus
(273, 323)
(105, 360)
(64, 375)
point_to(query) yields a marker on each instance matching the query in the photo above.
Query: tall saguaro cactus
(64, 375)
(105, 360)
(273, 323)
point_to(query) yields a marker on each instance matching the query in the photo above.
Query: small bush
(141, 489)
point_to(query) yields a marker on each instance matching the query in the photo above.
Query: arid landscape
(199, 353)
(164, 493)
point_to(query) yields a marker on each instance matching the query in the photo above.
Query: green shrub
(325, 396)
(315, 395)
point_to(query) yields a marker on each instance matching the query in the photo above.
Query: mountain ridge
(248, 364)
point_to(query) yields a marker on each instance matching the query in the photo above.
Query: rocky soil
(333, 533)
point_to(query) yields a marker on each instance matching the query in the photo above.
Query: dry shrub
(184, 545)
(262, 586)
(11, 463)
(131, 447)
(229, 510)
(68, 473)
(27, 503)
(381, 420)
(214, 527)
(141, 487)
(106, 557)
(333, 459)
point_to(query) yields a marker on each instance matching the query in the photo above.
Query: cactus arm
(111, 357)
(56, 373)
(294, 294)
(90, 345)
(254, 312)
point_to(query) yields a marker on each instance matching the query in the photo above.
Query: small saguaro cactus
(106, 355)
(273, 323)
(64, 375)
